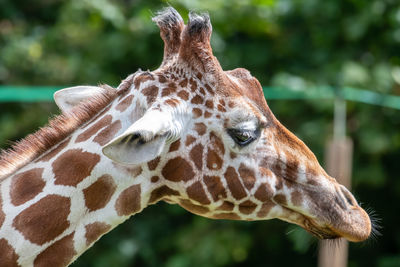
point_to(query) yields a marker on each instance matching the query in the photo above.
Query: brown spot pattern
(139, 79)
(234, 184)
(248, 176)
(210, 104)
(73, 166)
(196, 155)
(151, 93)
(108, 133)
(265, 172)
(154, 179)
(197, 193)
(7, 254)
(168, 90)
(26, 185)
(174, 146)
(197, 100)
(202, 91)
(217, 143)
(311, 174)
(281, 199)
(193, 84)
(183, 95)
(200, 128)
(189, 140)
(296, 198)
(129, 201)
(125, 103)
(95, 230)
(172, 102)
(92, 130)
(289, 183)
(57, 255)
(214, 161)
(161, 78)
(55, 151)
(247, 207)
(159, 193)
(265, 209)
(199, 76)
(44, 220)
(209, 89)
(177, 169)
(226, 206)
(263, 193)
(197, 112)
(279, 183)
(221, 108)
(152, 164)
(276, 168)
(98, 194)
(207, 114)
(292, 167)
(183, 83)
(215, 187)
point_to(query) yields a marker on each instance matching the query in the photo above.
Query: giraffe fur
(187, 133)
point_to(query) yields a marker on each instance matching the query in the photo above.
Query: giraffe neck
(58, 205)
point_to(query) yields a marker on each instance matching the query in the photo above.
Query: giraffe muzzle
(353, 222)
(329, 212)
(344, 218)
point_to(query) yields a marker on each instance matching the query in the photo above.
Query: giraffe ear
(142, 141)
(68, 98)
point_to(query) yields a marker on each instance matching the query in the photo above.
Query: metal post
(338, 161)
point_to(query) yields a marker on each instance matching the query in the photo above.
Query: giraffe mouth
(320, 233)
(310, 225)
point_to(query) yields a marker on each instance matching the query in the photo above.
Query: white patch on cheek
(282, 161)
(301, 175)
(326, 183)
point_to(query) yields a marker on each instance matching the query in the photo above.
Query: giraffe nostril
(348, 197)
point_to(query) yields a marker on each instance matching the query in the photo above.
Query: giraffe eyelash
(244, 137)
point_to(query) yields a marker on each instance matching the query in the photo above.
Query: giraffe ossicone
(187, 133)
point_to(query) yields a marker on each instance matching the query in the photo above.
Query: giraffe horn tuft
(168, 18)
(199, 26)
(171, 25)
(196, 50)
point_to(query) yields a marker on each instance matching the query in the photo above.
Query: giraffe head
(210, 143)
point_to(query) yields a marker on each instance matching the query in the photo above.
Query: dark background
(292, 43)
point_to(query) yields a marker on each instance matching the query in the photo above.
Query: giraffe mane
(57, 129)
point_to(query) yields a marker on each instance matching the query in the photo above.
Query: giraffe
(187, 133)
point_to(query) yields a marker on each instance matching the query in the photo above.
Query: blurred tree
(294, 43)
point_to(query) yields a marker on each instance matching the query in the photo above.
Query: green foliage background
(294, 43)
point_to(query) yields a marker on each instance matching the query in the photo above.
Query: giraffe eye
(243, 137)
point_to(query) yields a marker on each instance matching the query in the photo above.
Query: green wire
(45, 94)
